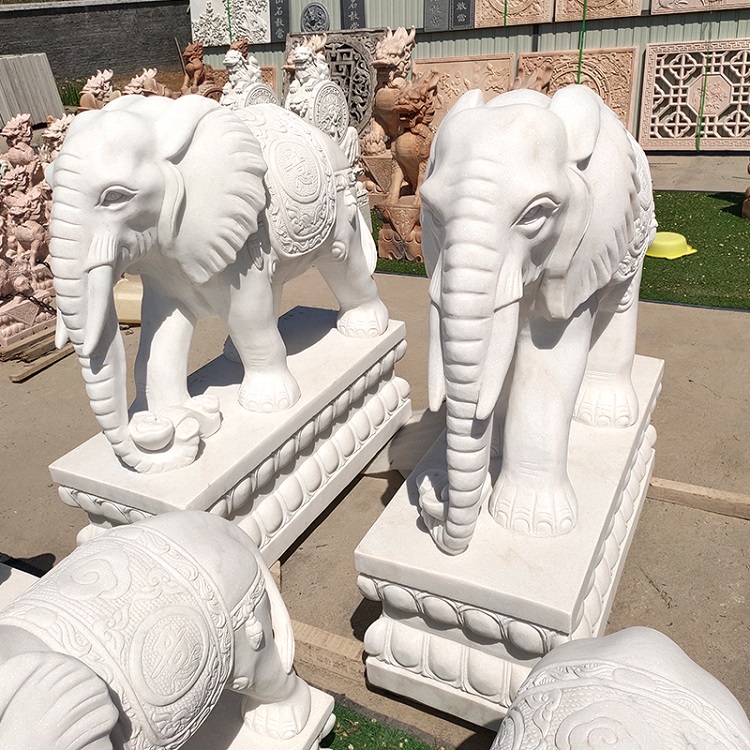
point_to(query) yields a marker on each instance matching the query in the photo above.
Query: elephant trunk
(479, 325)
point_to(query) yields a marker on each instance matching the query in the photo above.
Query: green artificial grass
(718, 275)
(355, 732)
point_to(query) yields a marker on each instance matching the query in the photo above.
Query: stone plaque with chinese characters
(462, 14)
(437, 15)
(512, 12)
(251, 19)
(609, 72)
(572, 10)
(693, 6)
(353, 14)
(493, 74)
(279, 21)
(697, 95)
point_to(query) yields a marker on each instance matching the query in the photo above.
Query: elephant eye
(537, 213)
(115, 196)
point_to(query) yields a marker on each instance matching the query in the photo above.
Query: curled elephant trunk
(478, 326)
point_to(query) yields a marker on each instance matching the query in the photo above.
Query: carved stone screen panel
(572, 10)
(694, 6)
(349, 55)
(249, 18)
(493, 74)
(512, 12)
(694, 89)
(609, 72)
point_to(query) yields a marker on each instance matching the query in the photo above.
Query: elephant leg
(267, 385)
(533, 494)
(161, 364)
(362, 314)
(607, 397)
(277, 701)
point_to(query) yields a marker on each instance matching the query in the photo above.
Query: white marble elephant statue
(216, 210)
(536, 215)
(129, 642)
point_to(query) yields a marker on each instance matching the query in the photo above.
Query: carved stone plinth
(273, 474)
(20, 318)
(608, 72)
(400, 236)
(693, 89)
(461, 633)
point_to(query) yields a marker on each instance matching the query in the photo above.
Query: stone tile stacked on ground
(695, 94)
(609, 72)
(273, 474)
(491, 73)
(461, 633)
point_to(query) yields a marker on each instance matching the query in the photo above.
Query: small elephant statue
(634, 689)
(129, 642)
(534, 232)
(216, 210)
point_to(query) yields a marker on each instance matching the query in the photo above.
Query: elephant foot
(268, 390)
(368, 320)
(204, 409)
(157, 444)
(523, 505)
(606, 401)
(282, 719)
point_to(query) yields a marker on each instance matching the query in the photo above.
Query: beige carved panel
(572, 10)
(694, 6)
(512, 12)
(609, 72)
(493, 74)
(693, 89)
(269, 77)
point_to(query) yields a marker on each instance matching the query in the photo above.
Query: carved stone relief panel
(270, 78)
(694, 6)
(572, 10)
(493, 74)
(512, 12)
(609, 72)
(249, 18)
(349, 55)
(697, 94)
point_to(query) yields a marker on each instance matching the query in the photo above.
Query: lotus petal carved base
(461, 634)
(273, 474)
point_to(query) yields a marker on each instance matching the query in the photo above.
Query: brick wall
(80, 37)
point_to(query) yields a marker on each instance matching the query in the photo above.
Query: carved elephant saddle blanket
(300, 179)
(141, 613)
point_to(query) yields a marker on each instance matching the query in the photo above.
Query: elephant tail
(54, 701)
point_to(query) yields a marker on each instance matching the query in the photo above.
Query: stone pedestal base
(400, 236)
(273, 474)
(461, 633)
(224, 729)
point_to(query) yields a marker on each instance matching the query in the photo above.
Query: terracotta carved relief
(572, 10)
(693, 6)
(512, 12)
(609, 72)
(696, 94)
(493, 75)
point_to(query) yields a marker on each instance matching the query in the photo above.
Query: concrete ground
(688, 571)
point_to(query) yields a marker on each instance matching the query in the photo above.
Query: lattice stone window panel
(695, 6)
(512, 12)
(609, 72)
(493, 74)
(349, 55)
(572, 10)
(250, 18)
(697, 86)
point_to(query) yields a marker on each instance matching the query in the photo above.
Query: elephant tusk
(61, 332)
(100, 304)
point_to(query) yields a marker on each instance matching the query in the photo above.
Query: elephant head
(144, 180)
(509, 220)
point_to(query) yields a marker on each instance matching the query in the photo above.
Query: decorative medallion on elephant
(608, 72)
(206, 223)
(133, 638)
(695, 96)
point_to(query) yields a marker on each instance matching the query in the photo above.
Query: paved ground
(688, 572)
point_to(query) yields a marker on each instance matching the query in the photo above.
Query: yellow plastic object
(669, 245)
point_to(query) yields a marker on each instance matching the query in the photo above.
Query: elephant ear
(580, 109)
(213, 172)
